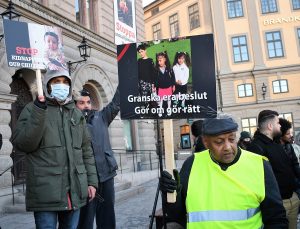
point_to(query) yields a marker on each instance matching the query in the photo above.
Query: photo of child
(53, 55)
(181, 70)
(125, 12)
(146, 73)
(165, 79)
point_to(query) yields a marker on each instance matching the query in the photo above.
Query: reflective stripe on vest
(225, 199)
(218, 215)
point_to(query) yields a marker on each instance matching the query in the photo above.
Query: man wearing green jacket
(61, 172)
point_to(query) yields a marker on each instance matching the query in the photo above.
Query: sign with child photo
(168, 79)
(33, 46)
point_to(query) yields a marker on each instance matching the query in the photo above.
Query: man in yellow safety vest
(224, 186)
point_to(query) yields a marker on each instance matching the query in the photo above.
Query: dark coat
(280, 162)
(59, 156)
(98, 123)
(1, 141)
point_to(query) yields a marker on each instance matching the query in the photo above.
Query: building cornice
(265, 71)
(40, 14)
(262, 103)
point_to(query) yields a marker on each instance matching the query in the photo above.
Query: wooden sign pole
(39, 82)
(169, 154)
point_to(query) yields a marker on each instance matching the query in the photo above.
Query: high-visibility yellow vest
(225, 199)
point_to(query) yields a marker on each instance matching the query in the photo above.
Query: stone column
(255, 35)
(220, 36)
(5, 160)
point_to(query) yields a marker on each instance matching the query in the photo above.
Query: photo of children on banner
(181, 70)
(125, 12)
(173, 88)
(146, 75)
(53, 54)
(165, 80)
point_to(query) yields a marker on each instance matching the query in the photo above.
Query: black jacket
(280, 162)
(98, 123)
(1, 141)
(273, 213)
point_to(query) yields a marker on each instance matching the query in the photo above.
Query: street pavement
(132, 213)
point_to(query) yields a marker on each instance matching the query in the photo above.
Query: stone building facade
(94, 20)
(257, 47)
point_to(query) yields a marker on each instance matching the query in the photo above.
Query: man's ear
(270, 125)
(205, 141)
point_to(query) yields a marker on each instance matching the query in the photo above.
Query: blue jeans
(48, 220)
(104, 210)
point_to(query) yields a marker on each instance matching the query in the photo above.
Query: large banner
(125, 28)
(33, 46)
(168, 79)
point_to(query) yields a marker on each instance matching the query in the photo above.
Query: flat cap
(217, 126)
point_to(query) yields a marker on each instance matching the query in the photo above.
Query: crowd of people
(250, 182)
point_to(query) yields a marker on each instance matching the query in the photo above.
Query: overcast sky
(147, 2)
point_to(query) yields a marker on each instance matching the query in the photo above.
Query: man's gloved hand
(167, 183)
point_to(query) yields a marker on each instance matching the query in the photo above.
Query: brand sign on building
(168, 79)
(33, 46)
(125, 27)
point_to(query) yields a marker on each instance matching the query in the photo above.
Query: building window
(77, 13)
(174, 25)
(245, 90)
(156, 31)
(280, 86)
(268, 6)
(287, 116)
(155, 11)
(194, 16)
(274, 44)
(240, 50)
(296, 4)
(235, 8)
(250, 125)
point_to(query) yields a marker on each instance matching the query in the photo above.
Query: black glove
(39, 104)
(167, 183)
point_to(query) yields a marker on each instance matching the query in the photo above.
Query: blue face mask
(60, 91)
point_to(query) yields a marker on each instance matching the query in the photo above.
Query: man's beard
(276, 135)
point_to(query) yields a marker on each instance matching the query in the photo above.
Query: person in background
(239, 191)
(61, 172)
(264, 144)
(98, 123)
(196, 129)
(245, 139)
(296, 148)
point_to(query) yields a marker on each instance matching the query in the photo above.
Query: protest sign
(124, 16)
(168, 79)
(33, 46)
